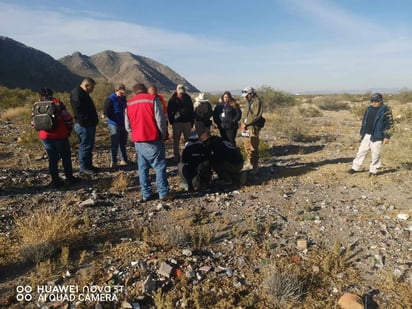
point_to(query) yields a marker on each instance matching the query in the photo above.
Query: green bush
(273, 99)
(10, 98)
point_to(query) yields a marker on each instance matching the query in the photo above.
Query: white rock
(403, 216)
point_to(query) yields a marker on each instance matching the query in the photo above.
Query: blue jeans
(56, 149)
(86, 139)
(118, 138)
(152, 154)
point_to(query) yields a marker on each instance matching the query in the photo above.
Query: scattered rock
(350, 301)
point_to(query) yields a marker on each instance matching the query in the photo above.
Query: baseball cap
(247, 90)
(180, 88)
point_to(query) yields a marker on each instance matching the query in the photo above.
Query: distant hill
(25, 67)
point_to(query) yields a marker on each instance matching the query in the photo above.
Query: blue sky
(289, 45)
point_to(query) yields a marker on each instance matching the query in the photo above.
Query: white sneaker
(123, 162)
(247, 166)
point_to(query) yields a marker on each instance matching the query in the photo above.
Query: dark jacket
(83, 107)
(226, 116)
(180, 110)
(381, 125)
(221, 151)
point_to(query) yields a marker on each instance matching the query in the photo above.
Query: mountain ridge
(22, 66)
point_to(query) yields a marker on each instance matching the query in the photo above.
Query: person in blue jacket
(375, 131)
(114, 109)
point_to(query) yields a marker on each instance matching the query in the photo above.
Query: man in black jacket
(86, 119)
(181, 116)
(225, 159)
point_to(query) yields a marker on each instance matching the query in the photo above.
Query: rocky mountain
(126, 68)
(25, 67)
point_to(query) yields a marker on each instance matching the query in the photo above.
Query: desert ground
(299, 234)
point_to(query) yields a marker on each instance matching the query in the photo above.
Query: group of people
(145, 116)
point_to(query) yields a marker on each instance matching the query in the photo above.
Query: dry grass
(18, 114)
(284, 287)
(120, 183)
(45, 230)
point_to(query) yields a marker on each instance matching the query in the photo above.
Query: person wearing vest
(56, 142)
(114, 109)
(146, 122)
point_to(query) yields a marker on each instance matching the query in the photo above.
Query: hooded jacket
(382, 123)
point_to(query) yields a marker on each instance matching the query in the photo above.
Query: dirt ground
(302, 207)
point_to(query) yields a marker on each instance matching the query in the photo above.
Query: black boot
(72, 180)
(56, 182)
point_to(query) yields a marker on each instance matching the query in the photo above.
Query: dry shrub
(284, 287)
(45, 230)
(120, 183)
(398, 151)
(309, 111)
(20, 113)
(359, 109)
(330, 103)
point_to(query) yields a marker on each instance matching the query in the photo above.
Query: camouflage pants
(251, 145)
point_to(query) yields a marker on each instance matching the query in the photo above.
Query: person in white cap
(203, 112)
(250, 128)
(181, 117)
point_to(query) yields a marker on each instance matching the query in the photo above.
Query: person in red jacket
(146, 121)
(56, 142)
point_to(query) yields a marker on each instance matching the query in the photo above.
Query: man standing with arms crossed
(146, 121)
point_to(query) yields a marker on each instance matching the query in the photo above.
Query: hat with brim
(247, 90)
(201, 98)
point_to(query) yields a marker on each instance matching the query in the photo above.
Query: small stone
(87, 203)
(403, 216)
(187, 252)
(149, 285)
(302, 244)
(350, 301)
(126, 305)
(205, 268)
(165, 270)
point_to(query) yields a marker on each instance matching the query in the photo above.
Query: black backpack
(45, 115)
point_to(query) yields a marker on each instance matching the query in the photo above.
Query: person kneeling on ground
(225, 159)
(194, 169)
